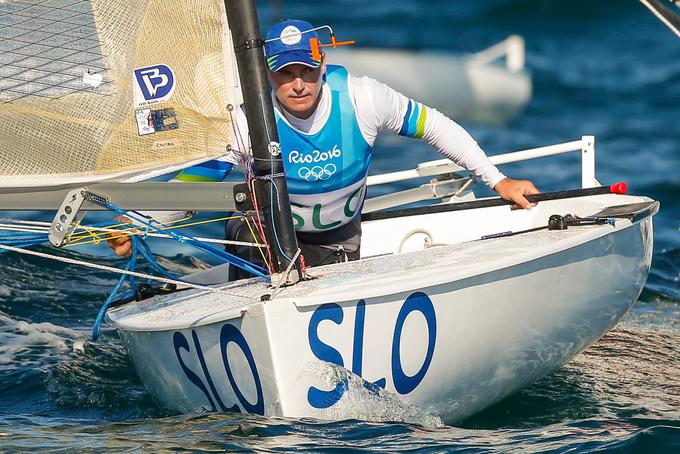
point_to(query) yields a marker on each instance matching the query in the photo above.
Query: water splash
(359, 399)
(30, 344)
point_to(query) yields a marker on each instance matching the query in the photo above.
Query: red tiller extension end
(619, 188)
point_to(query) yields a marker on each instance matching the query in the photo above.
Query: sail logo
(153, 84)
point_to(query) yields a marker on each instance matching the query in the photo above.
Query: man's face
(298, 88)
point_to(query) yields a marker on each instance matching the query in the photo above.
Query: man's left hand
(515, 190)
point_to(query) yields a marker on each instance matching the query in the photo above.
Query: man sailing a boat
(327, 122)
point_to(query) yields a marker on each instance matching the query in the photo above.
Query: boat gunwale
(430, 280)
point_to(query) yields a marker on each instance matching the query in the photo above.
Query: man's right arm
(398, 114)
(389, 110)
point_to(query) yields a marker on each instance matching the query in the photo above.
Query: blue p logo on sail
(153, 85)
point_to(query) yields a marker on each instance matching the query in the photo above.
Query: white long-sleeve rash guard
(379, 109)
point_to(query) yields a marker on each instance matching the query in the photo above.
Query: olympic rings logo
(317, 173)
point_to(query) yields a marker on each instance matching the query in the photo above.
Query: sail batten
(95, 90)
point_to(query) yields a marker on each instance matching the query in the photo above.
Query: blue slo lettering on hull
(318, 398)
(180, 342)
(403, 383)
(358, 347)
(229, 333)
(416, 302)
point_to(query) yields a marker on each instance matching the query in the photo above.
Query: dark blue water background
(603, 68)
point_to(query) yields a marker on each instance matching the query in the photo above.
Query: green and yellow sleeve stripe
(414, 120)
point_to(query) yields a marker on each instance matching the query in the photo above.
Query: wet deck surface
(190, 307)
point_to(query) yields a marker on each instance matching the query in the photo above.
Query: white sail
(99, 90)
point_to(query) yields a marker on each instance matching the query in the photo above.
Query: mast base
(285, 279)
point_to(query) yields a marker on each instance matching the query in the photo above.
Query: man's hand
(515, 190)
(122, 246)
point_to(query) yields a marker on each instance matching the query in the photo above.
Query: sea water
(603, 68)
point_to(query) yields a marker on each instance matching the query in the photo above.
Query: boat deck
(368, 277)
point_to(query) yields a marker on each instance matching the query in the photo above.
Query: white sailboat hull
(460, 87)
(450, 329)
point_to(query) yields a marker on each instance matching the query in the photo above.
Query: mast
(270, 186)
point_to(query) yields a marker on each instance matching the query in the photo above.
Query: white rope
(26, 229)
(285, 275)
(117, 270)
(20, 228)
(428, 242)
(22, 221)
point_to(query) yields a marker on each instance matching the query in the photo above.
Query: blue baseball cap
(290, 44)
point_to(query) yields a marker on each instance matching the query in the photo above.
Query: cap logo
(290, 35)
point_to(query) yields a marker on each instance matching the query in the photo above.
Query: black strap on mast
(270, 185)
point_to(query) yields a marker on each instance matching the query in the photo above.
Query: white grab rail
(586, 146)
(512, 48)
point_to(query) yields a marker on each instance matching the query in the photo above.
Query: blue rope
(22, 234)
(21, 240)
(139, 246)
(24, 242)
(129, 266)
(187, 239)
(145, 250)
(276, 235)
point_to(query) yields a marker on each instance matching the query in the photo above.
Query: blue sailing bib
(326, 172)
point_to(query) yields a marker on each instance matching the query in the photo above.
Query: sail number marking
(403, 383)
(228, 334)
(317, 398)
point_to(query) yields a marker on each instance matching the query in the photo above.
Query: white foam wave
(365, 401)
(25, 342)
(5, 290)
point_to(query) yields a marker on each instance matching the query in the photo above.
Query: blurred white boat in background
(491, 86)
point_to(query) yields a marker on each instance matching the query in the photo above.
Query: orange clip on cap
(316, 53)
